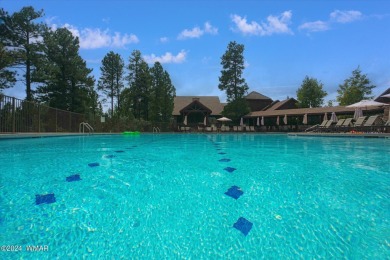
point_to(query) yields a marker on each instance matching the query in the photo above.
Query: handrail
(86, 125)
(156, 129)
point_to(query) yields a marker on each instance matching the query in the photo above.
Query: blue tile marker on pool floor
(45, 199)
(230, 169)
(75, 177)
(94, 164)
(235, 192)
(243, 225)
(224, 160)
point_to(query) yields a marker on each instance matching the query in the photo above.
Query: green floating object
(131, 133)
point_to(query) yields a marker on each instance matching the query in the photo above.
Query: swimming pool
(167, 196)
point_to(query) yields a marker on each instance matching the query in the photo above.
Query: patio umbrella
(185, 120)
(364, 103)
(242, 121)
(334, 117)
(387, 96)
(304, 119)
(285, 119)
(224, 119)
(277, 120)
(205, 120)
(367, 103)
(262, 120)
(358, 113)
(325, 116)
(258, 121)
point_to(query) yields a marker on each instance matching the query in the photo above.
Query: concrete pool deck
(354, 135)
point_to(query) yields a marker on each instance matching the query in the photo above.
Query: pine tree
(111, 79)
(139, 80)
(64, 78)
(231, 74)
(21, 34)
(162, 94)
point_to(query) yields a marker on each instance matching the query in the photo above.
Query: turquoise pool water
(163, 196)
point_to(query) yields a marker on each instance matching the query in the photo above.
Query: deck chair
(339, 123)
(235, 128)
(323, 123)
(347, 122)
(371, 122)
(359, 122)
(227, 128)
(252, 128)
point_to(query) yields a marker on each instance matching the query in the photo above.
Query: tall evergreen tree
(311, 93)
(140, 83)
(64, 78)
(22, 35)
(111, 79)
(355, 88)
(231, 79)
(162, 94)
(7, 76)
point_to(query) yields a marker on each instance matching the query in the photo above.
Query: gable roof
(279, 105)
(211, 102)
(256, 95)
(383, 99)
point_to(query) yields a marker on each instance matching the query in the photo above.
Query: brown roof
(256, 95)
(309, 111)
(383, 99)
(211, 102)
(279, 104)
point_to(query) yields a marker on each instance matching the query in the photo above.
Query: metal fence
(20, 116)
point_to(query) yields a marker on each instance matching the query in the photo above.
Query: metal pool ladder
(84, 125)
(156, 129)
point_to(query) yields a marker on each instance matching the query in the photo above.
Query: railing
(84, 125)
(20, 116)
(156, 129)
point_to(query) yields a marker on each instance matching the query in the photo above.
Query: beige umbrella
(224, 119)
(258, 121)
(262, 120)
(358, 113)
(277, 120)
(364, 103)
(285, 119)
(387, 96)
(304, 119)
(325, 116)
(205, 120)
(334, 117)
(185, 120)
(367, 103)
(242, 121)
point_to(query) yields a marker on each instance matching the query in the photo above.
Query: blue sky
(284, 40)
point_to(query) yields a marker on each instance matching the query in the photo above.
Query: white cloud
(166, 58)
(208, 28)
(164, 39)
(193, 33)
(274, 25)
(336, 16)
(317, 26)
(94, 38)
(197, 32)
(345, 16)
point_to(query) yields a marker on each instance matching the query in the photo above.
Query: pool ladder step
(84, 125)
(156, 129)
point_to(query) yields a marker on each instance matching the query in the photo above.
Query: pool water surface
(195, 196)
